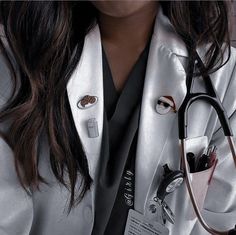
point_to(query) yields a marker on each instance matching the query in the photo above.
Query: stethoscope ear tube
(210, 97)
(213, 101)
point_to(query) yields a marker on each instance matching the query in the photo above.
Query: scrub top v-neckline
(114, 99)
(121, 117)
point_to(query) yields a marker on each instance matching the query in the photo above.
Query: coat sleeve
(16, 207)
(220, 204)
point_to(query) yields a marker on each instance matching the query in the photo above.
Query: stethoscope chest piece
(174, 184)
(158, 206)
(171, 181)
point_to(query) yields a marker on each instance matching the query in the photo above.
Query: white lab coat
(44, 212)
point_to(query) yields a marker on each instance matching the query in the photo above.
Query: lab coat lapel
(87, 79)
(165, 76)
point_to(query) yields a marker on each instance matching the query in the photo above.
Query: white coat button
(165, 104)
(88, 215)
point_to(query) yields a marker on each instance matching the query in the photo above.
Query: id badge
(138, 224)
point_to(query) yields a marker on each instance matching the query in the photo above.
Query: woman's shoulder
(232, 63)
(229, 69)
(226, 79)
(227, 72)
(233, 54)
(6, 84)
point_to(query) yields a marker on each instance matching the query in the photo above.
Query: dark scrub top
(115, 187)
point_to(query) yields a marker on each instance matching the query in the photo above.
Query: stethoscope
(173, 179)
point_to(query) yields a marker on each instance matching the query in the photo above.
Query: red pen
(212, 157)
(212, 172)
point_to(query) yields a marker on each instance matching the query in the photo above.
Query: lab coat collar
(167, 36)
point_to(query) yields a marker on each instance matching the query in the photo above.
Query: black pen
(202, 163)
(203, 160)
(191, 161)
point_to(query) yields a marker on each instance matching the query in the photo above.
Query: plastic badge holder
(200, 180)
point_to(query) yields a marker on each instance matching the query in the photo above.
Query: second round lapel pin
(165, 104)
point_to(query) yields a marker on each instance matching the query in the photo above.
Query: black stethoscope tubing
(212, 98)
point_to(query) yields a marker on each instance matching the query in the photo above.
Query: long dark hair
(45, 41)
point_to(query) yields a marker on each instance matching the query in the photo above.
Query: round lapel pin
(87, 101)
(165, 104)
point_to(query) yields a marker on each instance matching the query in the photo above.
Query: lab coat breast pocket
(200, 180)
